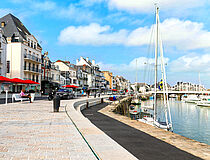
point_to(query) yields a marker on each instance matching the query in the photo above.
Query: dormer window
(28, 42)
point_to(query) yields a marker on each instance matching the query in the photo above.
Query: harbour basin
(189, 120)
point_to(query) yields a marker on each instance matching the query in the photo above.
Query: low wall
(122, 106)
(81, 105)
(104, 146)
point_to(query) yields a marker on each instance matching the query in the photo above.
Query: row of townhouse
(187, 86)
(179, 86)
(21, 57)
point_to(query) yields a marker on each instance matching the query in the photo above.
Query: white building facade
(3, 54)
(23, 50)
(68, 71)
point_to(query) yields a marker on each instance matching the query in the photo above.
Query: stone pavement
(33, 131)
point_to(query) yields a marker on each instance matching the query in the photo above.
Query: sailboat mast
(156, 64)
(136, 87)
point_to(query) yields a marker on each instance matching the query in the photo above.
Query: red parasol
(70, 86)
(114, 90)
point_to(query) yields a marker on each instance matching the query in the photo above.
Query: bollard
(102, 100)
(56, 103)
(87, 104)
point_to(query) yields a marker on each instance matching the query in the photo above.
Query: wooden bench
(17, 97)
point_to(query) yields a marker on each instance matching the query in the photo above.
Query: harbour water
(188, 119)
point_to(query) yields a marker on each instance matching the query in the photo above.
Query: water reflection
(188, 119)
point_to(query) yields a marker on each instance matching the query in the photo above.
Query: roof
(13, 26)
(68, 64)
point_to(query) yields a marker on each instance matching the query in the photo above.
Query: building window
(8, 66)
(28, 42)
(0, 44)
(32, 44)
(29, 66)
(33, 78)
(25, 65)
(37, 78)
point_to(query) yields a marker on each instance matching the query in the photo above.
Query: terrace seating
(17, 97)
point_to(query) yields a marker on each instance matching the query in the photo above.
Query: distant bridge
(182, 92)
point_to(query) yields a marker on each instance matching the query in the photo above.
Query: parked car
(65, 93)
(109, 93)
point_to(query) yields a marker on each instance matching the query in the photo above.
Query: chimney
(93, 62)
(67, 62)
(9, 39)
(87, 59)
(2, 24)
(77, 61)
(84, 67)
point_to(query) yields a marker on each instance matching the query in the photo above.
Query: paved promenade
(33, 131)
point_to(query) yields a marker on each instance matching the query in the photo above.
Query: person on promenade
(82, 92)
(88, 92)
(23, 95)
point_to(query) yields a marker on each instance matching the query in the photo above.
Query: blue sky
(116, 32)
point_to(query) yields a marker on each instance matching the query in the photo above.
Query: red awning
(114, 90)
(30, 82)
(70, 86)
(4, 79)
(17, 80)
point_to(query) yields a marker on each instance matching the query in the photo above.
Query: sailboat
(167, 123)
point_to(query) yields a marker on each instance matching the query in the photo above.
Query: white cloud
(185, 35)
(191, 63)
(44, 6)
(93, 34)
(76, 13)
(140, 63)
(145, 6)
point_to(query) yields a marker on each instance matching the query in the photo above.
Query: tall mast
(156, 64)
(199, 79)
(136, 78)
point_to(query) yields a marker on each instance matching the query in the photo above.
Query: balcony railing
(26, 68)
(46, 78)
(32, 57)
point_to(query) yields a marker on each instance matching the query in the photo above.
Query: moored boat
(205, 101)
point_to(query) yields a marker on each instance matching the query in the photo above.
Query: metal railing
(33, 69)
(46, 78)
(32, 57)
